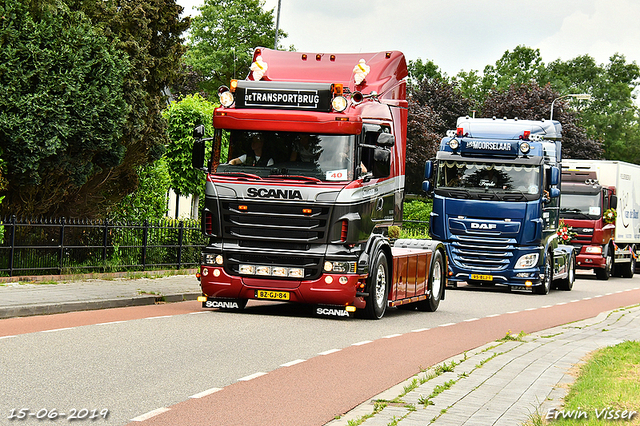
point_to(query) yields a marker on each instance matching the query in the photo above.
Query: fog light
(279, 271)
(247, 269)
(205, 272)
(528, 283)
(350, 308)
(216, 272)
(343, 280)
(328, 279)
(263, 270)
(454, 144)
(296, 273)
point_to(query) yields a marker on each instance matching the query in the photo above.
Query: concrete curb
(64, 307)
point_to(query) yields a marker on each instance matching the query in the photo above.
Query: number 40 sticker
(337, 174)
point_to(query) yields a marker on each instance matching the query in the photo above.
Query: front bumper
(326, 290)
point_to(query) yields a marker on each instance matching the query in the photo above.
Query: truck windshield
(580, 206)
(315, 156)
(484, 177)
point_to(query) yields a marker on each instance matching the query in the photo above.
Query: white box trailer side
(626, 179)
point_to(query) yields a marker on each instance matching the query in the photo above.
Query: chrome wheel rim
(381, 279)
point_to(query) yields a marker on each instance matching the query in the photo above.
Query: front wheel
(628, 271)
(567, 283)
(437, 279)
(548, 277)
(604, 273)
(378, 288)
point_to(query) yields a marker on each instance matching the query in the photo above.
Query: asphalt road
(132, 361)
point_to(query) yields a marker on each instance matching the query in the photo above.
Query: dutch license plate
(479, 277)
(272, 295)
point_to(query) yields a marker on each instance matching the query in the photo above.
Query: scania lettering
(332, 312)
(305, 177)
(496, 194)
(285, 194)
(600, 202)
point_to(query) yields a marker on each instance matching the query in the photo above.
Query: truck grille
(275, 221)
(484, 254)
(284, 230)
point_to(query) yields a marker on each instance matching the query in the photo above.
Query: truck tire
(567, 283)
(548, 277)
(378, 288)
(629, 269)
(437, 281)
(604, 273)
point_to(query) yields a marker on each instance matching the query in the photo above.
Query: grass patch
(606, 391)
(511, 338)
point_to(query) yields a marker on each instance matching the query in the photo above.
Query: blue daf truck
(496, 195)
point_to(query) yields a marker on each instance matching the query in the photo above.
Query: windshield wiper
(297, 177)
(238, 174)
(575, 212)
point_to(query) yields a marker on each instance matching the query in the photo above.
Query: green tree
(521, 66)
(182, 117)
(149, 201)
(531, 102)
(612, 114)
(419, 70)
(62, 105)
(223, 37)
(434, 107)
(149, 32)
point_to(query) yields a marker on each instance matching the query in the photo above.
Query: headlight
(454, 144)
(226, 99)
(527, 261)
(593, 250)
(525, 147)
(339, 103)
(340, 267)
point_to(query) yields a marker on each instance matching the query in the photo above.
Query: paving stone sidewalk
(26, 299)
(501, 383)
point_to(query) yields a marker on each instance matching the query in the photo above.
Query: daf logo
(476, 225)
(283, 194)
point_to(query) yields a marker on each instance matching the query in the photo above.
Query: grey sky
(461, 34)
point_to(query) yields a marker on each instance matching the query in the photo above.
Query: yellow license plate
(478, 277)
(272, 295)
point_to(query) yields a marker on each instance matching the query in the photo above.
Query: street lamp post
(582, 96)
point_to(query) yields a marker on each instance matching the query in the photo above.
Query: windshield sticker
(594, 211)
(337, 174)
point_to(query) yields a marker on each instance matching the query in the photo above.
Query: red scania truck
(600, 202)
(305, 177)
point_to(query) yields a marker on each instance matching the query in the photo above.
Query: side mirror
(381, 163)
(554, 192)
(197, 155)
(426, 186)
(198, 132)
(386, 139)
(428, 170)
(614, 202)
(555, 176)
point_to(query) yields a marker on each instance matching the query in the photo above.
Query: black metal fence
(63, 246)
